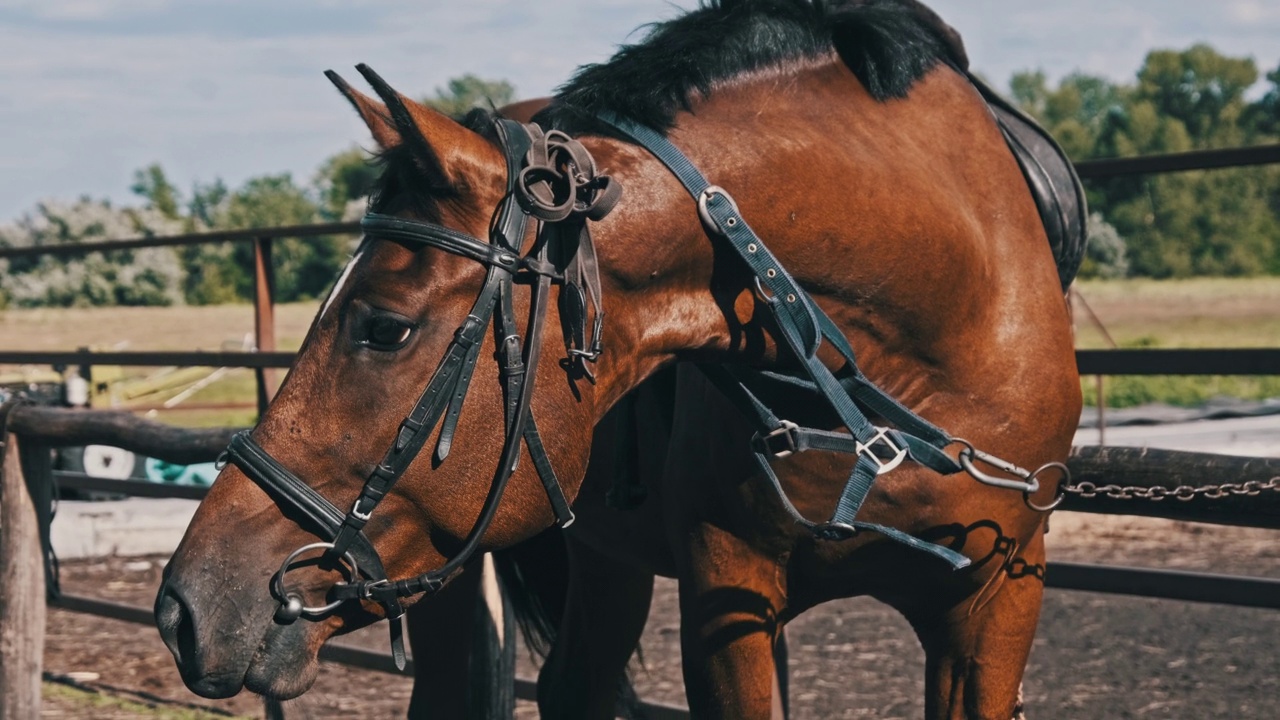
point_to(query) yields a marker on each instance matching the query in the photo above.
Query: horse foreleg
(976, 651)
(605, 612)
(464, 662)
(730, 600)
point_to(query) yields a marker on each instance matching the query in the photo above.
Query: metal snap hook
(968, 453)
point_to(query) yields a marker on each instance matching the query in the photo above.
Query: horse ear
(443, 149)
(373, 113)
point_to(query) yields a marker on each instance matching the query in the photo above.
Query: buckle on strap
(372, 591)
(868, 449)
(361, 516)
(782, 442)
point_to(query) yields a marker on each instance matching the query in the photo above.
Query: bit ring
(291, 603)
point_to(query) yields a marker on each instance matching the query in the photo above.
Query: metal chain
(1184, 493)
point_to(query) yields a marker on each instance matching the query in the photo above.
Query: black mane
(888, 44)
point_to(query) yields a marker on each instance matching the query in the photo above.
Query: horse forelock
(888, 44)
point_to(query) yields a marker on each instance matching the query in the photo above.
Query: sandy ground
(1096, 656)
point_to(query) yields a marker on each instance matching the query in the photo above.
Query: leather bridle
(552, 179)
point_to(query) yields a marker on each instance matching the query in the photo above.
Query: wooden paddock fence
(26, 480)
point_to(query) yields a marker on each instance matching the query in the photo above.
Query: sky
(92, 90)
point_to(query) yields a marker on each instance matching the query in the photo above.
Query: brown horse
(874, 171)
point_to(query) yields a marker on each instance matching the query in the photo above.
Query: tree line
(1213, 222)
(1221, 222)
(210, 273)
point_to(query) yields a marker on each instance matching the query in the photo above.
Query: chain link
(1184, 493)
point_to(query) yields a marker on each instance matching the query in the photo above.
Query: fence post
(264, 317)
(22, 584)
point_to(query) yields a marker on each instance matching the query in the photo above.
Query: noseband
(553, 179)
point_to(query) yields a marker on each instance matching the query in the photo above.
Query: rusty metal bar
(159, 358)
(1179, 162)
(1166, 584)
(1144, 361)
(1117, 474)
(251, 234)
(132, 488)
(264, 317)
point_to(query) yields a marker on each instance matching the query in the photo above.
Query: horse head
(441, 233)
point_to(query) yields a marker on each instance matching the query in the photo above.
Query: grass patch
(1121, 391)
(91, 703)
(1195, 313)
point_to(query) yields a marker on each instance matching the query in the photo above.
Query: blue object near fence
(199, 475)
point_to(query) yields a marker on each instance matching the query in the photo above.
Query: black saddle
(1052, 179)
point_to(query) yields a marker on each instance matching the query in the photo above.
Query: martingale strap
(803, 326)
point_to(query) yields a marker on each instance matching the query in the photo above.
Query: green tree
(1200, 88)
(304, 267)
(206, 198)
(1074, 112)
(146, 276)
(151, 183)
(1200, 223)
(1263, 117)
(1105, 254)
(462, 94)
(344, 181)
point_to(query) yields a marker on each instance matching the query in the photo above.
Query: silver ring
(1062, 487)
(277, 580)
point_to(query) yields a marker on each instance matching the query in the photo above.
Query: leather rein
(552, 179)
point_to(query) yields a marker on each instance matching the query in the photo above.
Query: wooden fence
(26, 479)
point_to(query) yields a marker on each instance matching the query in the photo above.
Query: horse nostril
(176, 626)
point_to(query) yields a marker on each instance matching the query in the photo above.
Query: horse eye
(386, 333)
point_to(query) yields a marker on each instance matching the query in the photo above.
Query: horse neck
(871, 206)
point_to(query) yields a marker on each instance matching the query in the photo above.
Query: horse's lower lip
(283, 666)
(215, 687)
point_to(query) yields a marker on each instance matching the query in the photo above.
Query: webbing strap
(842, 526)
(802, 326)
(797, 309)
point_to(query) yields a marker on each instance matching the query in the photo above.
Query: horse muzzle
(225, 639)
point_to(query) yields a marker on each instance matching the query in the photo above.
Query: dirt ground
(1096, 656)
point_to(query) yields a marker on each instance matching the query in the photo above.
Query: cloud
(94, 89)
(82, 10)
(1105, 37)
(1253, 11)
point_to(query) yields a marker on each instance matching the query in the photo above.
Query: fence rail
(1195, 361)
(202, 238)
(157, 358)
(31, 479)
(1179, 162)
